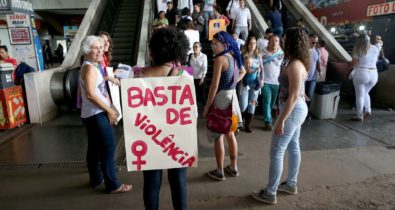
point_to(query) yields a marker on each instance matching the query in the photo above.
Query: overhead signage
(381, 9)
(18, 20)
(11, 6)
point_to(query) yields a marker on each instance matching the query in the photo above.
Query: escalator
(122, 19)
(125, 33)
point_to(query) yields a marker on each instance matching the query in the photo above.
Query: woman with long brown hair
(293, 111)
(251, 84)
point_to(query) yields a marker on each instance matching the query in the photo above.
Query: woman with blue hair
(228, 71)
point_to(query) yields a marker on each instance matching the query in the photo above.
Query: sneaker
(267, 127)
(264, 197)
(216, 174)
(284, 187)
(231, 171)
(356, 118)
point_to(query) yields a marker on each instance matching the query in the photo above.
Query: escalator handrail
(142, 58)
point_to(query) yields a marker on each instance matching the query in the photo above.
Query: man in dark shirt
(275, 20)
(171, 14)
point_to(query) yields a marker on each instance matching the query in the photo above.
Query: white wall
(60, 4)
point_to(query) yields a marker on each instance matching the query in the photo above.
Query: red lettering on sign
(173, 90)
(386, 8)
(169, 147)
(160, 95)
(186, 95)
(133, 97)
(185, 116)
(171, 116)
(370, 11)
(139, 149)
(149, 96)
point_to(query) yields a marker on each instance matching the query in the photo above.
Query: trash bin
(325, 100)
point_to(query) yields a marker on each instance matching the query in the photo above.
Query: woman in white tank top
(97, 117)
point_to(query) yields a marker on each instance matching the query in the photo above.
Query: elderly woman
(293, 112)
(228, 71)
(365, 74)
(252, 83)
(98, 116)
(198, 62)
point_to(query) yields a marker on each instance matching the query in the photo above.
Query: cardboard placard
(160, 119)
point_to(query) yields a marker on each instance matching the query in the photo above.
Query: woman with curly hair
(228, 71)
(252, 83)
(168, 49)
(293, 111)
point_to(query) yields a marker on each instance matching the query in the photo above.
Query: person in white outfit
(242, 24)
(364, 75)
(231, 10)
(192, 34)
(185, 3)
(161, 5)
(198, 61)
(208, 12)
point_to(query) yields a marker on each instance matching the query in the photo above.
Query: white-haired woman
(97, 117)
(365, 75)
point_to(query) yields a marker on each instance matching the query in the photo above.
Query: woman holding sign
(98, 116)
(228, 71)
(168, 48)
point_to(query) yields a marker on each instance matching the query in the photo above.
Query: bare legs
(220, 150)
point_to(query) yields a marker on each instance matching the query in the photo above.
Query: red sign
(350, 11)
(381, 9)
(12, 107)
(19, 35)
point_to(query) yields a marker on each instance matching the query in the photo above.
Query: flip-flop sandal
(123, 188)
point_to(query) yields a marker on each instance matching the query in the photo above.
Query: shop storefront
(345, 19)
(18, 32)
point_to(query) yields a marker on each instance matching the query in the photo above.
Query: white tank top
(87, 107)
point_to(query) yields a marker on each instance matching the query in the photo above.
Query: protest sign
(215, 26)
(160, 118)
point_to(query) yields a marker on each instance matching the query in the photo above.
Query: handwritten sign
(215, 26)
(160, 119)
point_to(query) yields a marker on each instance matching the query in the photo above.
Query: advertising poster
(19, 36)
(160, 119)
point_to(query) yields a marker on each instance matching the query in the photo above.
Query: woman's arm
(89, 76)
(218, 64)
(242, 73)
(295, 73)
(352, 64)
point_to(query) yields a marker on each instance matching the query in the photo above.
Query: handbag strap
(234, 74)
